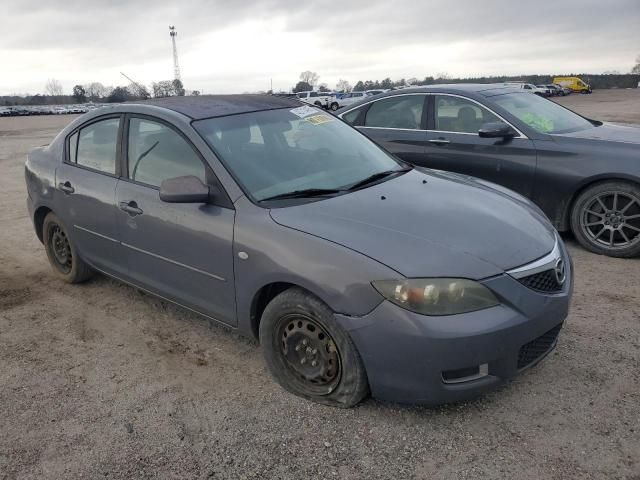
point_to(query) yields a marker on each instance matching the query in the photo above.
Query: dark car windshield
(540, 114)
(275, 152)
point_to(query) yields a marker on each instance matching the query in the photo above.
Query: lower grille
(542, 282)
(533, 350)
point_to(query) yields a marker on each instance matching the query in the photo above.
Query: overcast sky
(238, 46)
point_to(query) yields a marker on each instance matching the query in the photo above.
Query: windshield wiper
(306, 193)
(377, 176)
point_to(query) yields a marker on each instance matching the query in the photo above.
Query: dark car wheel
(606, 219)
(334, 106)
(62, 253)
(308, 353)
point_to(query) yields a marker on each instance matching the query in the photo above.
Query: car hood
(429, 223)
(609, 132)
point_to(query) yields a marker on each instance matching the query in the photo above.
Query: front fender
(266, 252)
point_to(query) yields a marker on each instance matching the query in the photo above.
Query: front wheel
(334, 106)
(62, 252)
(606, 219)
(308, 353)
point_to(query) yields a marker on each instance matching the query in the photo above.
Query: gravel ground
(101, 380)
(622, 105)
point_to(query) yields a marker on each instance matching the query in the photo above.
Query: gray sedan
(357, 272)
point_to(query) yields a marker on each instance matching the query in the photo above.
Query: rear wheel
(334, 106)
(606, 219)
(308, 353)
(62, 252)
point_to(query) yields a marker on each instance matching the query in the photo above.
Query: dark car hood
(449, 226)
(609, 132)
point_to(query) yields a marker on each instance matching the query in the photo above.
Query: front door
(453, 144)
(86, 185)
(181, 251)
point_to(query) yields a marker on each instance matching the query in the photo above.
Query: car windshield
(540, 114)
(281, 151)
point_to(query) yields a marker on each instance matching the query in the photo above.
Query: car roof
(208, 106)
(485, 89)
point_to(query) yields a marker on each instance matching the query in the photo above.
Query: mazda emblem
(560, 272)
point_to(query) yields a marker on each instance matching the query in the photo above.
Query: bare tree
(96, 90)
(343, 86)
(53, 87)
(636, 68)
(309, 77)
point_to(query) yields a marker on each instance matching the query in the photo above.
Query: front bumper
(407, 356)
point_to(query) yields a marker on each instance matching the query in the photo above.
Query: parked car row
(413, 257)
(22, 110)
(335, 100)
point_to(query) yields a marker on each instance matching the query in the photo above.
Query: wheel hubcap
(61, 249)
(310, 354)
(612, 220)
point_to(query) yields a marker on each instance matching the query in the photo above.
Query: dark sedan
(584, 174)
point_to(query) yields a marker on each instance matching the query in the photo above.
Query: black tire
(338, 377)
(334, 106)
(62, 252)
(605, 219)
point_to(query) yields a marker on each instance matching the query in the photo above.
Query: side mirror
(187, 189)
(496, 130)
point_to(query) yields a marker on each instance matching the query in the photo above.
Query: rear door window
(403, 111)
(97, 146)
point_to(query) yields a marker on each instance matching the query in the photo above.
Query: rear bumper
(413, 358)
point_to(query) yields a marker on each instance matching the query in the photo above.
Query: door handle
(66, 188)
(131, 208)
(439, 141)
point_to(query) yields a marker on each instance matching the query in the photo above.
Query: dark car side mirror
(189, 189)
(496, 130)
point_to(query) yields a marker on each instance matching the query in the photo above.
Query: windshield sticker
(319, 119)
(304, 111)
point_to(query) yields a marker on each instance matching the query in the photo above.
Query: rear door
(454, 145)
(86, 187)
(397, 123)
(180, 251)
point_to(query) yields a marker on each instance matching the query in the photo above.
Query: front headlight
(437, 296)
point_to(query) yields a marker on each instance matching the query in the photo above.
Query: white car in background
(344, 99)
(319, 99)
(542, 92)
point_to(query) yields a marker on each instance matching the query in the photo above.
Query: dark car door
(86, 187)
(453, 144)
(398, 124)
(182, 251)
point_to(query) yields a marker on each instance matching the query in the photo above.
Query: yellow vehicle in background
(574, 83)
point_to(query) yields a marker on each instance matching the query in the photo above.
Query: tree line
(99, 93)
(310, 81)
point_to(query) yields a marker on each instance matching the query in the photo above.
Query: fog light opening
(467, 374)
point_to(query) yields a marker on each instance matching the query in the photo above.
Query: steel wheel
(611, 220)
(310, 354)
(61, 249)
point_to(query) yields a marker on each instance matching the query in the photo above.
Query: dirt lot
(100, 380)
(622, 106)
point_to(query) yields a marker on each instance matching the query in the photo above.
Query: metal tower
(176, 66)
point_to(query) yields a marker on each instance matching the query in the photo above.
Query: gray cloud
(354, 40)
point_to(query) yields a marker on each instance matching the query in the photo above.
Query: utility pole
(176, 66)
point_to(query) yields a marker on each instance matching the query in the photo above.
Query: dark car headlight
(437, 296)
